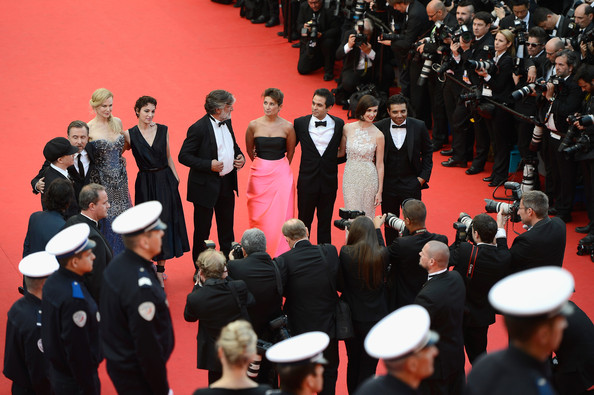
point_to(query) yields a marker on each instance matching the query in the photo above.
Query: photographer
(585, 156)
(555, 25)
(562, 98)
(215, 301)
(543, 244)
(362, 61)
(320, 31)
(264, 281)
(481, 265)
(405, 277)
(519, 22)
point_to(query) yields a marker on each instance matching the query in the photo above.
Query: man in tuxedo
(94, 204)
(319, 135)
(543, 244)
(213, 156)
(406, 277)
(84, 160)
(310, 291)
(59, 153)
(481, 265)
(554, 24)
(407, 158)
(443, 296)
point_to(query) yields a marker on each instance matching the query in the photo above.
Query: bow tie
(221, 124)
(217, 122)
(403, 126)
(320, 123)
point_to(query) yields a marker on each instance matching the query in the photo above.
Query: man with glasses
(543, 244)
(213, 156)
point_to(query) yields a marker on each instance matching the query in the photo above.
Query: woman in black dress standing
(363, 265)
(157, 179)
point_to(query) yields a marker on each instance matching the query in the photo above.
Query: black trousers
(224, 213)
(438, 110)
(560, 177)
(307, 203)
(501, 129)
(475, 341)
(391, 203)
(459, 119)
(66, 384)
(312, 58)
(360, 365)
(127, 381)
(419, 95)
(588, 172)
(331, 369)
(483, 142)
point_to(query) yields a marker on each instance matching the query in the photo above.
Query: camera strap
(323, 255)
(242, 306)
(472, 261)
(279, 283)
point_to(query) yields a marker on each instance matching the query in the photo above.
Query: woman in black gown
(157, 179)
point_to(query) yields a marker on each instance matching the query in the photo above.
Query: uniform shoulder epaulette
(77, 292)
(144, 280)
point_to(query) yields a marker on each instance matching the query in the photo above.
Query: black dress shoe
(496, 183)
(586, 240)
(329, 76)
(258, 20)
(296, 45)
(238, 4)
(281, 34)
(454, 163)
(447, 152)
(473, 170)
(488, 179)
(436, 147)
(584, 229)
(272, 22)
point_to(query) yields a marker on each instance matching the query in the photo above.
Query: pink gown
(271, 192)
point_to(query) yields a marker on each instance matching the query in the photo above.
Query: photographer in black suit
(555, 25)
(481, 265)
(319, 134)
(310, 292)
(405, 277)
(319, 38)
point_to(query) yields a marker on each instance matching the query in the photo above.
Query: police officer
(137, 334)
(534, 305)
(24, 361)
(70, 320)
(300, 363)
(407, 346)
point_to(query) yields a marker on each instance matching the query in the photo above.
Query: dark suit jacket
(350, 60)
(214, 305)
(367, 305)
(417, 26)
(328, 24)
(542, 245)
(257, 271)
(43, 225)
(310, 291)
(78, 181)
(508, 22)
(418, 146)
(102, 251)
(501, 82)
(491, 265)
(568, 101)
(443, 297)
(317, 172)
(197, 152)
(479, 50)
(406, 276)
(51, 175)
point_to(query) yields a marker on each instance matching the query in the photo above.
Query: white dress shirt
(398, 133)
(225, 150)
(321, 135)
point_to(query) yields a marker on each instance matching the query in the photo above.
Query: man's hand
(365, 48)
(239, 161)
(385, 42)
(216, 166)
(421, 181)
(531, 77)
(40, 185)
(502, 218)
(550, 90)
(379, 220)
(420, 48)
(351, 42)
(500, 12)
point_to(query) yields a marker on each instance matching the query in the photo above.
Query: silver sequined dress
(360, 181)
(111, 173)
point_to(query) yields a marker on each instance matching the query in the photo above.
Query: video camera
(511, 209)
(346, 217)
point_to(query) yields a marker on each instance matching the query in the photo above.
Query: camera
(395, 223)
(346, 217)
(511, 209)
(538, 86)
(586, 248)
(463, 228)
(480, 64)
(236, 250)
(279, 326)
(360, 36)
(311, 30)
(426, 70)
(463, 33)
(583, 120)
(520, 30)
(392, 36)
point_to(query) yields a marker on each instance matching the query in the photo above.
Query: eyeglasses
(533, 45)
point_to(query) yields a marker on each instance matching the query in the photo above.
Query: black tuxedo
(318, 177)
(43, 225)
(310, 297)
(103, 254)
(542, 245)
(77, 180)
(258, 272)
(491, 264)
(443, 296)
(402, 167)
(406, 277)
(214, 305)
(563, 29)
(207, 189)
(51, 175)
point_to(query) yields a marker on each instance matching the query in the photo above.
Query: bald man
(443, 296)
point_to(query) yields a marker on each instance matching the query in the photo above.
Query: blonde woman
(236, 348)
(106, 136)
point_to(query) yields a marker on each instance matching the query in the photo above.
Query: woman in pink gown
(270, 142)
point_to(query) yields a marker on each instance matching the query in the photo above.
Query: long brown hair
(363, 246)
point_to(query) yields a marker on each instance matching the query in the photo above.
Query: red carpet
(56, 54)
